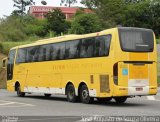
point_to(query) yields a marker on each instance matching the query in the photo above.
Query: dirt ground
(2, 73)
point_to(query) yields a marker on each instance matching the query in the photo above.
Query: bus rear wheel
(71, 96)
(120, 99)
(19, 92)
(84, 95)
(104, 99)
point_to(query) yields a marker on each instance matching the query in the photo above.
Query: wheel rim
(71, 93)
(18, 91)
(85, 94)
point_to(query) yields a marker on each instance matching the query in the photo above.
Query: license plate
(139, 89)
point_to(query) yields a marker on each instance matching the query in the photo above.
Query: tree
(111, 12)
(69, 2)
(134, 1)
(138, 17)
(155, 10)
(91, 3)
(56, 21)
(34, 27)
(85, 23)
(145, 14)
(134, 13)
(21, 5)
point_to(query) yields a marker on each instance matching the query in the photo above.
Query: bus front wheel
(19, 92)
(84, 95)
(71, 96)
(120, 99)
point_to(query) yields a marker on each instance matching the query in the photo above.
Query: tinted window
(10, 64)
(102, 45)
(57, 51)
(136, 40)
(45, 53)
(32, 54)
(72, 49)
(21, 55)
(87, 47)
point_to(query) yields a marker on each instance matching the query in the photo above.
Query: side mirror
(4, 63)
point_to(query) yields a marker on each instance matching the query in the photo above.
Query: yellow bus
(116, 63)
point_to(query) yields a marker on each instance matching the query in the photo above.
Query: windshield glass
(136, 39)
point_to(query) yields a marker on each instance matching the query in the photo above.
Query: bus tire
(84, 95)
(120, 100)
(19, 92)
(107, 99)
(71, 96)
(47, 95)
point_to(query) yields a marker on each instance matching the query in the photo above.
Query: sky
(6, 6)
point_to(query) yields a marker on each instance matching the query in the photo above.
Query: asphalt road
(57, 108)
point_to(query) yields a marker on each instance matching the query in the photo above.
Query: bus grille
(104, 83)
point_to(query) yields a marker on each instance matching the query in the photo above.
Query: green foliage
(11, 29)
(133, 1)
(155, 16)
(134, 13)
(137, 17)
(21, 5)
(111, 12)
(6, 46)
(85, 23)
(20, 28)
(35, 27)
(146, 15)
(68, 2)
(56, 22)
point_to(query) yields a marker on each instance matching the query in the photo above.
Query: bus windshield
(136, 40)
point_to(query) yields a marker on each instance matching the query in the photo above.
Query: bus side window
(102, 45)
(97, 47)
(87, 47)
(47, 52)
(32, 54)
(21, 55)
(62, 50)
(40, 58)
(107, 43)
(58, 51)
(72, 49)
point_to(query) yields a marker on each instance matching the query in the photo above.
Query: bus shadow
(112, 103)
(48, 98)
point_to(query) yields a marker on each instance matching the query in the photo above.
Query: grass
(6, 46)
(158, 41)
(158, 79)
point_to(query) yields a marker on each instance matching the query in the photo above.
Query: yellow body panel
(56, 74)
